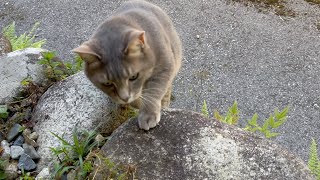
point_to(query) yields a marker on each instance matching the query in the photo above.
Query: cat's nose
(125, 98)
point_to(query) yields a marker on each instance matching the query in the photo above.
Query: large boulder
(73, 102)
(187, 145)
(17, 66)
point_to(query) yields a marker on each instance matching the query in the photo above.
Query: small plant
(274, 121)
(314, 162)
(204, 109)
(56, 70)
(4, 112)
(231, 117)
(114, 171)
(26, 175)
(72, 156)
(2, 167)
(23, 41)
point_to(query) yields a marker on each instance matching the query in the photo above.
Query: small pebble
(6, 149)
(16, 152)
(26, 163)
(14, 132)
(34, 136)
(12, 170)
(19, 141)
(44, 174)
(198, 36)
(99, 139)
(28, 149)
(30, 141)
(26, 132)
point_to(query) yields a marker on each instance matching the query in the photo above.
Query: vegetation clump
(23, 41)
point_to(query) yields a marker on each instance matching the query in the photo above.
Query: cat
(134, 57)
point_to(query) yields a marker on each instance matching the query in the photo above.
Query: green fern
(231, 117)
(314, 163)
(23, 41)
(204, 109)
(274, 121)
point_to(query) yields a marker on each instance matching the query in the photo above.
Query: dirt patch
(277, 6)
(313, 1)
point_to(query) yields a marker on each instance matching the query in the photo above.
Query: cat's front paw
(148, 120)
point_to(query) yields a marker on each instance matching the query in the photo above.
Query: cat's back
(154, 21)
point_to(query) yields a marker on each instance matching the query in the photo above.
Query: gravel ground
(231, 52)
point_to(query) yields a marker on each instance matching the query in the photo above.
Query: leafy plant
(114, 171)
(4, 112)
(72, 156)
(274, 121)
(23, 41)
(2, 166)
(204, 109)
(25, 176)
(314, 162)
(231, 117)
(57, 70)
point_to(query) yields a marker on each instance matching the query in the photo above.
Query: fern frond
(313, 162)
(204, 109)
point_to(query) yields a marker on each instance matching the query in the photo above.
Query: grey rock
(34, 136)
(18, 66)
(11, 171)
(73, 102)
(6, 149)
(19, 141)
(30, 150)
(72, 175)
(14, 132)
(186, 145)
(26, 163)
(44, 174)
(16, 151)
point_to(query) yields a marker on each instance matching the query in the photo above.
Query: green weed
(113, 171)
(204, 109)
(231, 117)
(25, 175)
(57, 70)
(72, 156)
(2, 168)
(314, 162)
(4, 112)
(23, 41)
(274, 121)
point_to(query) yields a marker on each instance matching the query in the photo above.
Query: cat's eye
(108, 83)
(134, 77)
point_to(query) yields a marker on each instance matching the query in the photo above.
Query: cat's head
(119, 65)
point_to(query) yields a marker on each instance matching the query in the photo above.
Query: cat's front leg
(148, 119)
(152, 95)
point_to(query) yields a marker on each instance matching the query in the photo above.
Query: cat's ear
(86, 53)
(136, 43)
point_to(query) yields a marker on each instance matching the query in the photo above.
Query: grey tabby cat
(133, 57)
